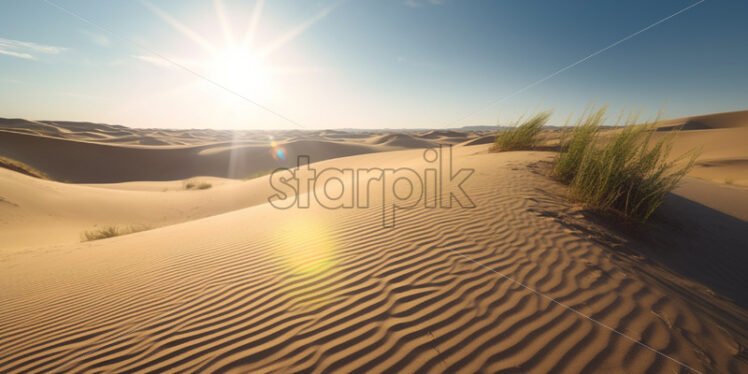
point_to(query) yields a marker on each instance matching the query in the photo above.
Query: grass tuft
(111, 231)
(197, 185)
(523, 136)
(574, 144)
(626, 173)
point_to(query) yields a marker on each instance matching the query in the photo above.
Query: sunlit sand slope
(721, 139)
(36, 212)
(315, 290)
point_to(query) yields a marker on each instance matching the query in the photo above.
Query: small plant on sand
(197, 185)
(626, 173)
(111, 231)
(21, 167)
(523, 136)
(729, 181)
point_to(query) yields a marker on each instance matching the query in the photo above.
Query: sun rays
(241, 65)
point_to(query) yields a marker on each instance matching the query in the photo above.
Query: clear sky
(365, 64)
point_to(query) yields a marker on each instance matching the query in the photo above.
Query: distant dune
(402, 140)
(97, 153)
(708, 121)
(722, 139)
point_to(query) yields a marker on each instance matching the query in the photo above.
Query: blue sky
(370, 64)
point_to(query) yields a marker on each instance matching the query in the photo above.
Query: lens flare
(278, 153)
(306, 247)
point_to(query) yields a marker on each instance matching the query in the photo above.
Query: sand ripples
(220, 296)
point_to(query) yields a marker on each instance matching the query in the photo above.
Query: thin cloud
(16, 54)
(26, 50)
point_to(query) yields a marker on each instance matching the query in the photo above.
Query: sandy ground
(721, 141)
(526, 281)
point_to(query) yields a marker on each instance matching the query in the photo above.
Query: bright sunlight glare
(241, 71)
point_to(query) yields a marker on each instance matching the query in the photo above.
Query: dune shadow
(703, 244)
(695, 251)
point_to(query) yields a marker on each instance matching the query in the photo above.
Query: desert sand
(526, 281)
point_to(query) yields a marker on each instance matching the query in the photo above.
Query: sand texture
(526, 281)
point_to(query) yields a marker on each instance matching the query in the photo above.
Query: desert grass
(110, 231)
(627, 173)
(22, 168)
(575, 142)
(197, 185)
(523, 136)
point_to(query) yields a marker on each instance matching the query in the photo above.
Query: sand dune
(485, 139)
(89, 162)
(706, 122)
(82, 152)
(721, 139)
(525, 281)
(441, 134)
(402, 140)
(35, 212)
(316, 290)
(113, 133)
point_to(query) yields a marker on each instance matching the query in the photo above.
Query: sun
(241, 71)
(243, 65)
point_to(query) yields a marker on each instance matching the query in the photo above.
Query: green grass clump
(523, 136)
(111, 231)
(574, 144)
(626, 173)
(21, 167)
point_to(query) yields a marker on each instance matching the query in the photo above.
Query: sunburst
(241, 65)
